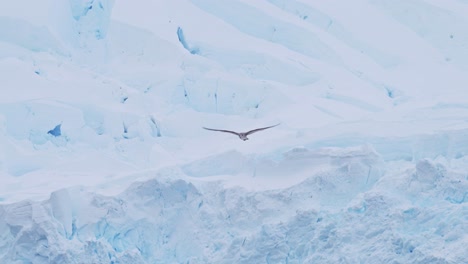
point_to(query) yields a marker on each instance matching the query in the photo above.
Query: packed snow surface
(103, 158)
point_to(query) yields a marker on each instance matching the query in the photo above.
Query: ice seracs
(241, 135)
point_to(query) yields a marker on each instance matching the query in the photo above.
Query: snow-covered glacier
(103, 158)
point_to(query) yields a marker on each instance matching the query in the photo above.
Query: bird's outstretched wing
(259, 129)
(222, 130)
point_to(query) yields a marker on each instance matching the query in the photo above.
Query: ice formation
(103, 158)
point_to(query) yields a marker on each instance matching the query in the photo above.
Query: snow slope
(103, 159)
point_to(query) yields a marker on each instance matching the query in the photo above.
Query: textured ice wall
(345, 213)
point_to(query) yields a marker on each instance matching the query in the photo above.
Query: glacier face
(354, 209)
(103, 159)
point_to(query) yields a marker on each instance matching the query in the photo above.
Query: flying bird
(241, 135)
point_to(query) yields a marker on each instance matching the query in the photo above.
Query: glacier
(103, 158)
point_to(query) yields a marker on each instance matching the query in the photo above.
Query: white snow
(103, 158)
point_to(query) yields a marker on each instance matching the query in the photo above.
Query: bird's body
(241, 135)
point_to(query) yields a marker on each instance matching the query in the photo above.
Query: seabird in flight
(241, 135)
